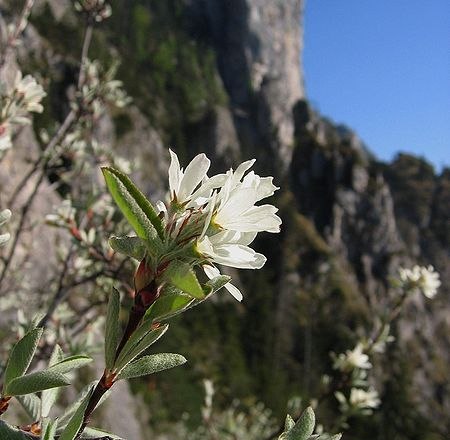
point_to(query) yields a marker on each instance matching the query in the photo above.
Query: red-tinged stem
(143, 300)
(4, 404)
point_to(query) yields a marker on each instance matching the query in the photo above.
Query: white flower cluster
(220, 213)
(360, 400)
(15, 105)
(351, 359)
(64, 215)
(100, 88)
(420, 279)
(99, 9)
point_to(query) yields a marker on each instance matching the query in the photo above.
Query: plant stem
(143, 300)
(4, 404)
(19, 28)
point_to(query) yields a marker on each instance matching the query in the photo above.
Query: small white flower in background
(360, 398)
(64, 216)
(5, 139)
(29, 93)
(352, 359)
(5, 215)
(100, 9)
(420, 278)
(209, 394)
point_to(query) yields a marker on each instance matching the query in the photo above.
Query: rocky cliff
(225, 77)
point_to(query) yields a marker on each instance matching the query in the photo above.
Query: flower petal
(239, 202)
(232, 237)
(212, 272)
(236, 255)
(175, 173)
(255, 219)
(241, 170)
(193, 175)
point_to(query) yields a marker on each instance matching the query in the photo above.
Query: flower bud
(144, 276)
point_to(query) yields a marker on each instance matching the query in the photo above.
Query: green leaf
(71, 409)
(134, 347)
(134, 205)
(112, 328)
(166, 306)
(70, 363)
(34, 382)
(49, 429)
(56, 356)
(216, 283)
(21, 355)
(96, 433)
(31, 404)
(151, 364)
(7, 432)
(304, 427)
(49, 397)
(181, 275)
(133, 247)
(288, 423)
(74, 425)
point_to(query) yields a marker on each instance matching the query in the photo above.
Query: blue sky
(382, 67)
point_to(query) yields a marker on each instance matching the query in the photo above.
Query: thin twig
(26, 207)
(59, 291)
(20, 27)
(84, 53)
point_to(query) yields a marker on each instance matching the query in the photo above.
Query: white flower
(420, 278)
(30, 92)
(236, 209)
(230, 248)
(352, 359)
(183, 183)
(360, 398)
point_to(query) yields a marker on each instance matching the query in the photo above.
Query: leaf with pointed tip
(31, 404)
(21, 355)
(49, 429)
(34, 382)
(289, 423)
(112, 328)
(74, 425)
(167, 305)
(151, 364)
(131, 352)
(49, 397)
(304, 427)
(181, 275)
(133, 247)
(70, 363)
(134, 205)
(8, 432)
(96, 433)
(216, 283)
(56, 356)
(70, 410)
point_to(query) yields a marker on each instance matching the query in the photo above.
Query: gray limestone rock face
(259, 46)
